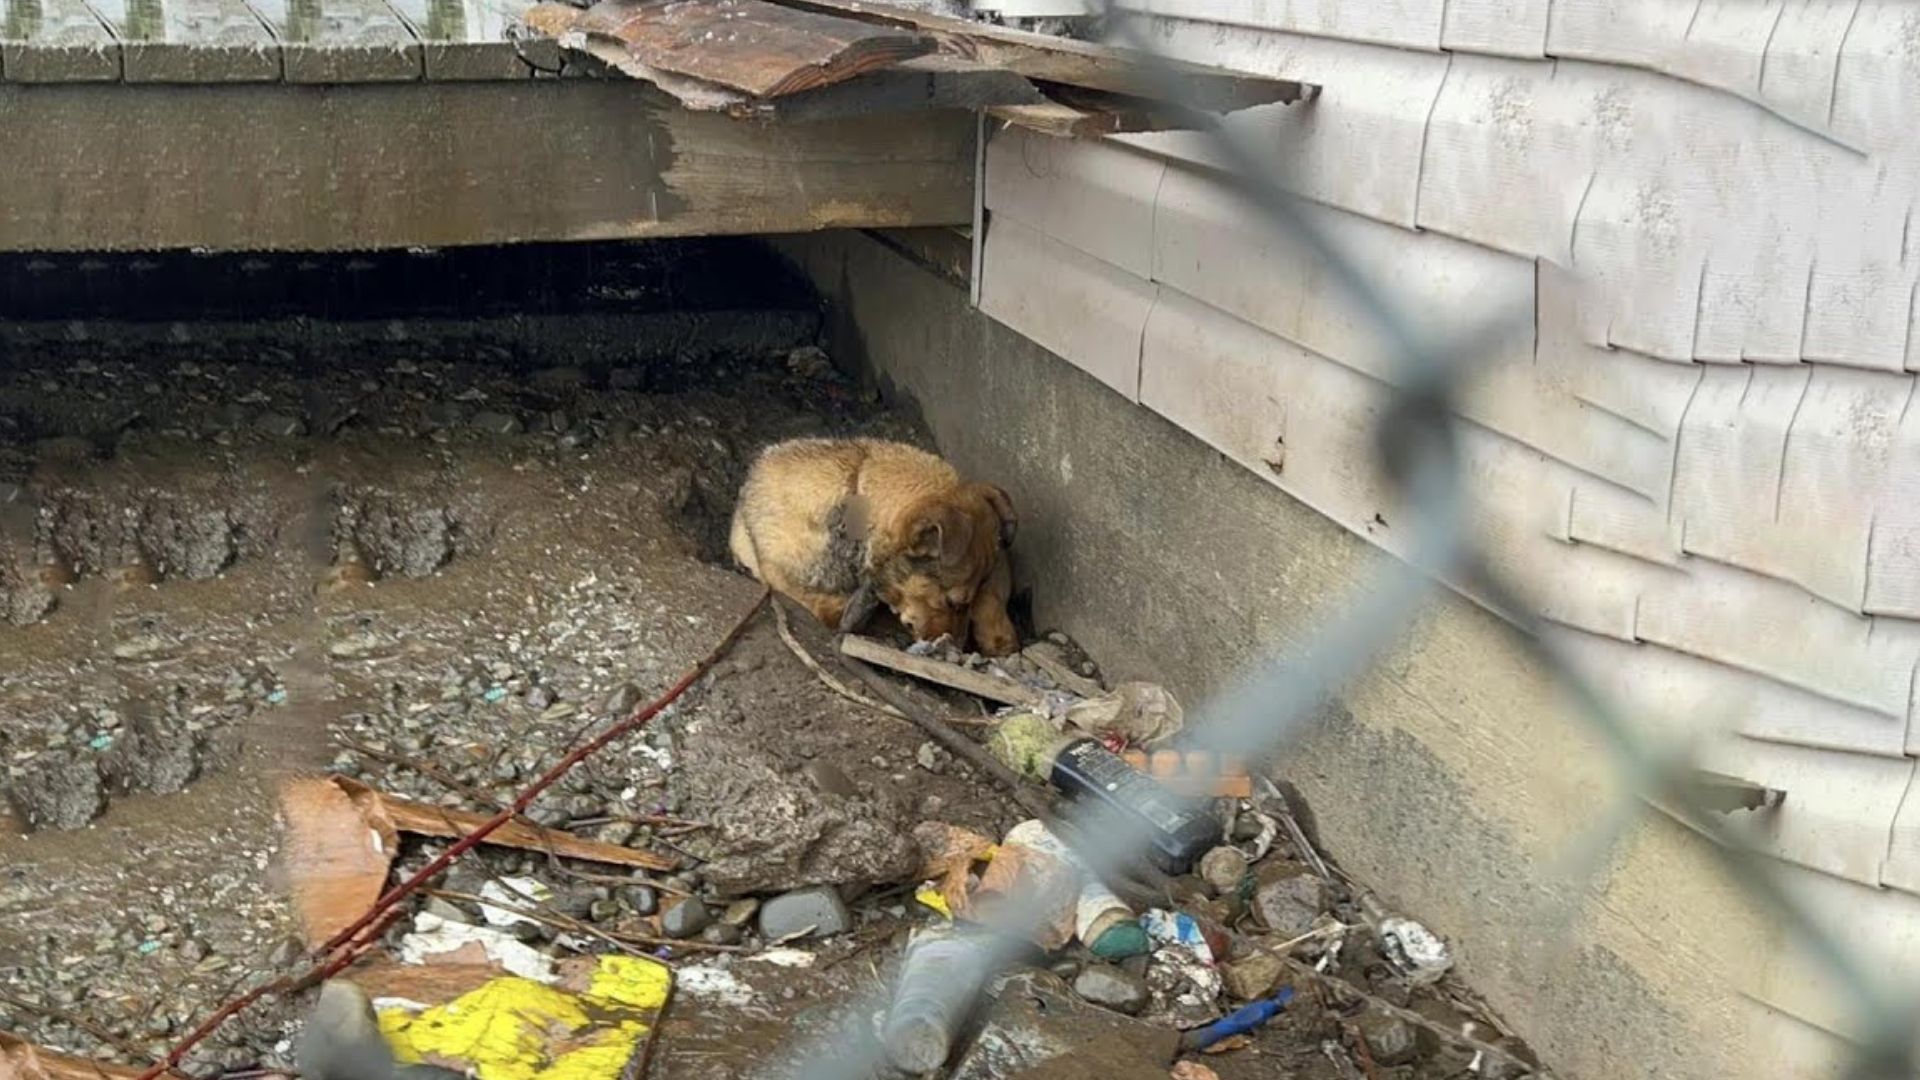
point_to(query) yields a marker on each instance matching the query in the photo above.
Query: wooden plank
(1626, 524)
(1046, 58)
(1358, 148)
(1651, 394)
(1094, 196)
(757, 48)
(393, 166)
(994, 688)
(466, 39)
(55, 41)
(1516, 28)
(341, 41)
(1084, 310)
(191, 41)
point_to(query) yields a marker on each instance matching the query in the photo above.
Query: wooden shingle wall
(1704, 465)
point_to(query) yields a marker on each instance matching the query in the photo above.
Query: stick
(826, 677)
(991, 687)
(383, 912)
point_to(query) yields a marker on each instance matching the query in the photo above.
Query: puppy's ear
(1002, 505)
(940, 533)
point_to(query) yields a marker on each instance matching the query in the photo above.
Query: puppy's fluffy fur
(825, 520)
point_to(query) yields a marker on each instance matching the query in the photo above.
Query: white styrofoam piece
(1775, 629)
(1299, 420)
(1515, 28)
(1692, 698)
(1798, 77)
(1089, 312)
(1090, 194)
(1356, 146)
(1509, 152)
(1626, 524)
(1652, 394)
(1410, 24)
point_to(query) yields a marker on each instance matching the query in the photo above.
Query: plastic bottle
(1097, 910)
(940, 977)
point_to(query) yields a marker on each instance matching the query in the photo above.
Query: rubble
(814, 912)
(1036, 1027)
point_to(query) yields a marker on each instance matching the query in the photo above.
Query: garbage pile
(557, 952)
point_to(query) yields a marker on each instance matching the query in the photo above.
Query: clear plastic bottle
(940, 978)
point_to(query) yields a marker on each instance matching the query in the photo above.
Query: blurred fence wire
(1415, 444)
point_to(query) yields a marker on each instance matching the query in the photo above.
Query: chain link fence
(1416, 447)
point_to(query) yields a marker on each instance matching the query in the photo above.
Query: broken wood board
(423, 819)
(751, 46)
(1078, 63)
(336, 858)
(978, 683)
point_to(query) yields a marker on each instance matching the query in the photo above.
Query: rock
(443, 909)
(1223, 869)
(817, 911)
(603, 910)
(1253, 978)
(686, 918)
(1390, 1040)
(619, 833)
(193, 950)
(1037, 1027)
(285, 952)
(496, 423)
(771, 830)
(539, 697)
(1289, 899)
(55, 792)
(622, 700)
(739, 912)
(642, 899)
(722, 934)
(830, 779)
(280, 425)
(933, 757)
(1110, 987)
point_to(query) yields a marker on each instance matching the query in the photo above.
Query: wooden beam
(978, 683)
(274, 166)
(1045, 58)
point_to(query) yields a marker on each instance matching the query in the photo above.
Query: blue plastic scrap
(1246, 1019)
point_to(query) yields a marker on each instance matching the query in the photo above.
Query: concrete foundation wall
(1451, 778)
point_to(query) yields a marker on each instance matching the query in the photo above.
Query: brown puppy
(829, 521)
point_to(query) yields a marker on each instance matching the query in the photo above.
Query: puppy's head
(945, 546)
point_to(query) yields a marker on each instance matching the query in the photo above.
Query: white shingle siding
(1704, 466)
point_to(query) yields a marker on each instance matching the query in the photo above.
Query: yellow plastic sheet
(518, 1029)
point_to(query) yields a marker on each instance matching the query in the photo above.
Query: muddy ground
(426, 549)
